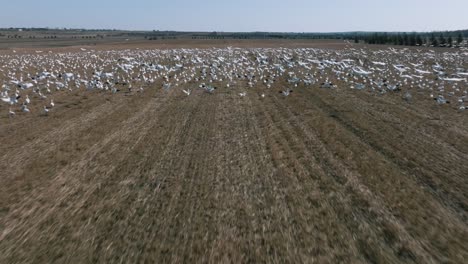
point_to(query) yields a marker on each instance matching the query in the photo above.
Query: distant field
(123, 42)
(326, 174)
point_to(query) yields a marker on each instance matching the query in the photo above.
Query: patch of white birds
(438, 75)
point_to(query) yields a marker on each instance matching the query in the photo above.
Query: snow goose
(11, 113)
(45, 111)
(286, 92)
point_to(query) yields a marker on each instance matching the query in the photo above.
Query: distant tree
(412, 39)
(434, 41)
(356, 39)
(405, 39)
(419, 40)
(460, 38)
(401, 40)
(450, 41)
(442, 40)
(385, 39)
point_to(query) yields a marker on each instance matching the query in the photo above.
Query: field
(330, 173)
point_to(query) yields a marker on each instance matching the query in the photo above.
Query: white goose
(25, 108)
(46, 111)
(286, 92)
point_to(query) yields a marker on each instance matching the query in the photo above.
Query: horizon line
(191, 31)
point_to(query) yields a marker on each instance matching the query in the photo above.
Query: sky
(239, 15)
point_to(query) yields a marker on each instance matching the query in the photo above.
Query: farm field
(230, 151)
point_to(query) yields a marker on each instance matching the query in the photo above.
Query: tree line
(435, 39)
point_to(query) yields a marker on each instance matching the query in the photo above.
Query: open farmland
(234, 154)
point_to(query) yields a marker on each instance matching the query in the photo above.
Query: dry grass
(320, 176)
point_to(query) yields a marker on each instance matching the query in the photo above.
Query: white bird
(24, 108)
(441, 100)
(187, 92)
(407, 97)
(46, 111)
(27, 100)
(242, 94)
(11, 113)
(286, 92)
(210, 89)
(166, 86)
(5, 99)
(327, 85)
(52, 104)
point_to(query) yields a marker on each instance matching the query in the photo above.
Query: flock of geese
(29, 79)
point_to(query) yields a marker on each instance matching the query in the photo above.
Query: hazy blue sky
(239, 15)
